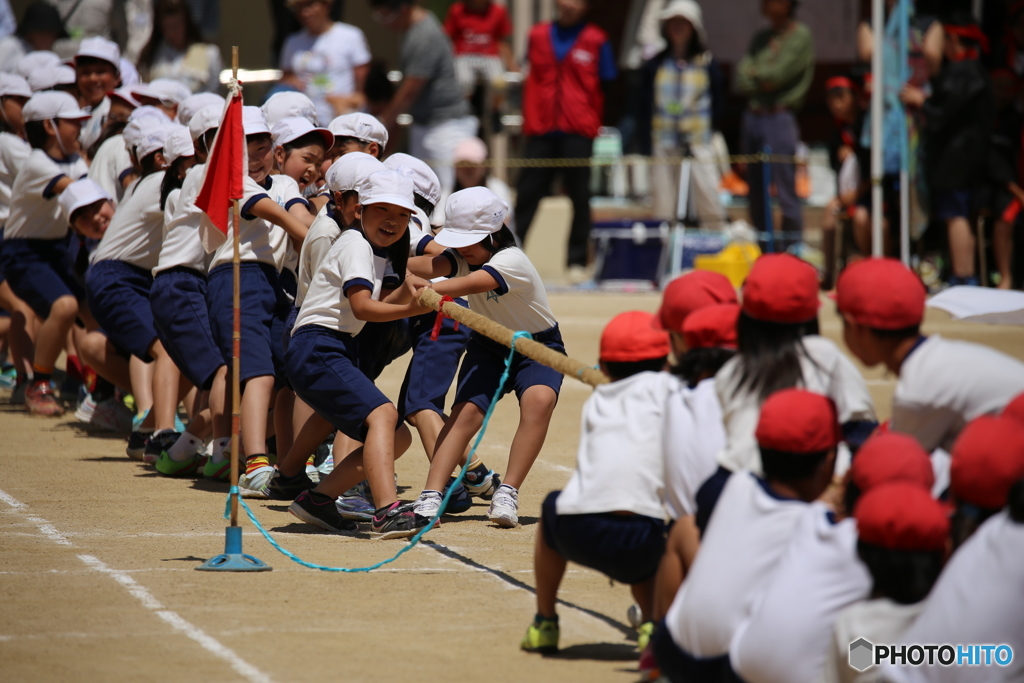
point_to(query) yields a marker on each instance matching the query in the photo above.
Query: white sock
(219, 446)
(185, 448)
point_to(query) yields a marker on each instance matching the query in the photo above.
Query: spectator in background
(176, 50)
(680, 94)
(429, 92)
(39, 29)
(92, 18)
(1005, 198)
(471, 171)
(850, 161)
(774, 76)
(563, 104)
(328, 60)
(480, 31)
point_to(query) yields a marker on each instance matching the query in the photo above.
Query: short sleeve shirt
(136, 231)
(110, 167)
(326, 63)
(477, 33)
(260, 240)
(182, 245)
(520, 302)
(427, 53)
(13, 153)
(322, 235)
(35, 213)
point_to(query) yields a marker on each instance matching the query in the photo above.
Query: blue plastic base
(233, 559)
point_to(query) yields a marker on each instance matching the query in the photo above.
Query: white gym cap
(145, 136)
(165, 90)
(351, 171)
(125, 95)
(178, 143)
(13, 85)
(37, 59)
(470, 216)
(424, 180)
(253, 121)
(193, 103)
(294, 127)
(53, 104)
(361, 127)
(387, 187)
(78, 194)
(148, 111)
(100, 48)
(205, 120)
(50, 77)
(289, 103)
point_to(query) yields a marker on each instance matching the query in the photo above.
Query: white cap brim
(395, 199)
(457, 239)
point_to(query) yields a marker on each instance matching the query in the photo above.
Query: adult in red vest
(563, 103)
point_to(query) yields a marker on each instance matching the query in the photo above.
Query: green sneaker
(644, 633)
(169, 467)
(542, 636)
(220, 471)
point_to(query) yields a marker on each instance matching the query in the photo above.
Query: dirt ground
(97, 556)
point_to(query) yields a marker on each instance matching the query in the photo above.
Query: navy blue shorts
(377, 344)
(679, 666)
(182, 320)
(625, 548)
(289, 325)
(38, 274)
(263, 313)
(119, 301)
(322, 369)
(485, 362)
(950, 204)
(434, 364)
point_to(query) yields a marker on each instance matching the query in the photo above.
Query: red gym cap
(781, 289)
(687, 293)
(902, 516)
(798, 421)
(712, 327)
(881, 293)
(631, 337)
(889, 457)
(1015, 409)
(988, 458)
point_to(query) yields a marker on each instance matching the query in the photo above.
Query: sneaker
(108, 415)
(460, 500)
(643, 635)
(18, 394)
(157, 444)
(311, 471)
(136, 449)
(428, 504)
(319, 510)
(481, 485)
(169, 467)
(219, 471)
(281, 487)
(255, 484)
(355, 507)
(504, 510)
(69, 391)
(8, 377)
(323, 459)
(360, 489)
(86, 410)
(397, 520)
(541, 636)
(40, 400)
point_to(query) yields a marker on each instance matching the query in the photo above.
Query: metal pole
(236, 340)
(877, 95)
(904, 10)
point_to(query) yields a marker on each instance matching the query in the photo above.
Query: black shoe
(288, 488)
(137, 445)
(320, 511)
(157, 444)
(397, 521)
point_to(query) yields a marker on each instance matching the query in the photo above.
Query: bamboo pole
(501, 334)
(236, 337)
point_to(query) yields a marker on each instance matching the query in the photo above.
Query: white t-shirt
(351, 261)
(420, 234)
(136, 231)
(745, 539)
(13, 153)
(261, 241)
(825, 371)
(182, 244)
(944, 384)
(694, 435)
(787, 636)
(322, 235)
(879, 621)
(620, 460)
(520, 302)
(110, 166)
(326, 63)
(93, 128)
(35, 213)
(978, 599)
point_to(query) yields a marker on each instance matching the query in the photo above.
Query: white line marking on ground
(140, 593)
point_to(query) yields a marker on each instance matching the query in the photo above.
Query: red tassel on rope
(436, 332)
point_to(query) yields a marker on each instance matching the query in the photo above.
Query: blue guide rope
(444, 502)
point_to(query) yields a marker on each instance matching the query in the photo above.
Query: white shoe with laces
(254, 484)
(428, 504)
(504, 510)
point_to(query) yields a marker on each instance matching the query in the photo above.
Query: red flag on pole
(224, 175)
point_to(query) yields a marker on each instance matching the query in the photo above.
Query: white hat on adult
(689, 10)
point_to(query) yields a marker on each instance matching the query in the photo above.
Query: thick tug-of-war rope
(517, 339)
